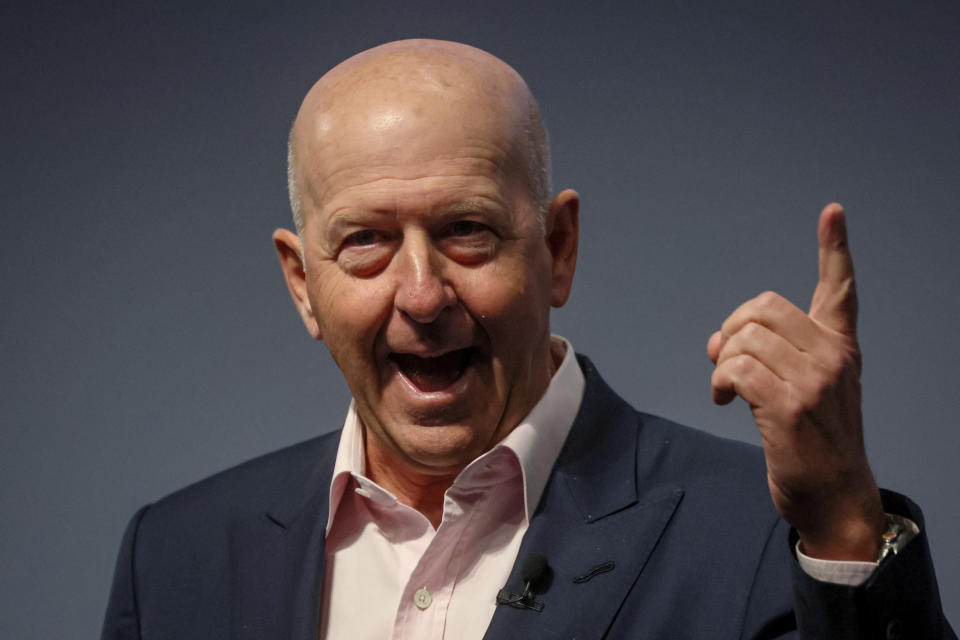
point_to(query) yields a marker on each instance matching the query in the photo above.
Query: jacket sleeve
(900, 599)
(121, 621)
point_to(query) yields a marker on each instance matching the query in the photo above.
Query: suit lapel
(594, 524)
(279, 555)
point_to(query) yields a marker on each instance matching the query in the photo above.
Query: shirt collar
(536, 441)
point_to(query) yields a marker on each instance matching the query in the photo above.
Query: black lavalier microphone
(533, 570)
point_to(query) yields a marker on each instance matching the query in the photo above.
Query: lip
(427, 353)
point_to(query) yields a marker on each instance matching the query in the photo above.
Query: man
(479, 454)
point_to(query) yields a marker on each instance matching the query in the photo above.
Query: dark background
(148, 340)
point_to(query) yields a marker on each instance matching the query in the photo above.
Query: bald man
(486, 482)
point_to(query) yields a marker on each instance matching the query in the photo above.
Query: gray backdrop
(148, 340)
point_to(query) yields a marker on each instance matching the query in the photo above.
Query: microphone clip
(525, 600)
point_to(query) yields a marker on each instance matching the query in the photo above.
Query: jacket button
(894, 629)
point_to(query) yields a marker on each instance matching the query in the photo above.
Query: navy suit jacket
(650, 530)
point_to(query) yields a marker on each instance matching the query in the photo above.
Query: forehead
(411, 164)
(433, 198)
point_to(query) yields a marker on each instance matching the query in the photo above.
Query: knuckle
(753, 331)
(768, 300)
(742, 365)
(731, 348)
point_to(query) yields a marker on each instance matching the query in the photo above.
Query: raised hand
(800, 374)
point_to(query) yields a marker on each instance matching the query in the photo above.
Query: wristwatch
(890, 540)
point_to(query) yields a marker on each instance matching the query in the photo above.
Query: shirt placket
(422, 613)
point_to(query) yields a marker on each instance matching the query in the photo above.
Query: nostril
(426, 300)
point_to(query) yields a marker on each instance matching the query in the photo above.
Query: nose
(422, 293)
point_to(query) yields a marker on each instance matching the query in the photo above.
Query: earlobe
(563, 237)
(289, 251)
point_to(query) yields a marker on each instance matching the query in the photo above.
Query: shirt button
(422, 598)
(360, 491)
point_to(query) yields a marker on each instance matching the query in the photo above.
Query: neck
(414, 488)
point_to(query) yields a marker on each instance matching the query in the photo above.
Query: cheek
(350, 311)
(507, 293)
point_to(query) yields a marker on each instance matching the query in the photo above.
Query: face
(428, 274)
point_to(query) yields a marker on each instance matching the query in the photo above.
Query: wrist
(854, 538)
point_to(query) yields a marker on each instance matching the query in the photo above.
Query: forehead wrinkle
(442, 166)
(445, 199)
(387, 174)
(495, 147)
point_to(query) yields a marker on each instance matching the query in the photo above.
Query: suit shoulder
(700, 449)
(720, 470)
(254, 484)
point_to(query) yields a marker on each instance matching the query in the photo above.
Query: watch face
(891, 534)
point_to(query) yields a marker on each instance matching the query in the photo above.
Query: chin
(444, 448)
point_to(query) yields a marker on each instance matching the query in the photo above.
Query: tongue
(433, 374)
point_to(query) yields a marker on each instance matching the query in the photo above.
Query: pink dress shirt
(389, 574)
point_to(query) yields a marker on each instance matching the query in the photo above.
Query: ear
(563, 237)
(291, 263)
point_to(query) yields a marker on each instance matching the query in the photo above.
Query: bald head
(410, 97)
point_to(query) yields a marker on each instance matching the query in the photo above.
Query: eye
(366, 252)
(363, 238)
(465, 228)
(469, 242)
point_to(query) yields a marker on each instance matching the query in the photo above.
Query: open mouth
(433, 373)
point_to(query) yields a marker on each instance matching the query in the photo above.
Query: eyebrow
(342, 221)
(465, 207)
(489, 208)
(349, 216)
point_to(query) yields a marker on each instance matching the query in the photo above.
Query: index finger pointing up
(834, 301)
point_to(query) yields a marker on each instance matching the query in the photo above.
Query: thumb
(834, 301)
